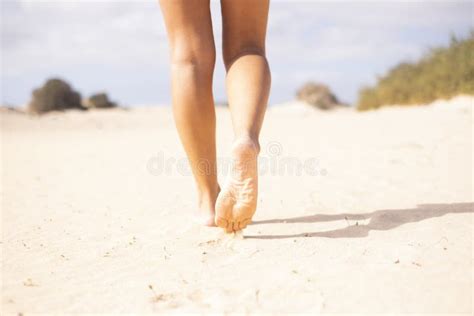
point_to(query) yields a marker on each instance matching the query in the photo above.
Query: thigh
(244, 27)
(189, 25)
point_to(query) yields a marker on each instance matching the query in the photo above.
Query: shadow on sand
(378, 220)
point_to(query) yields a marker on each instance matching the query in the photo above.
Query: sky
(120, 46)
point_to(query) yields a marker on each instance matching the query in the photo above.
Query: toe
(221, 222)
(244, 223)
(235, 226)
(230, 228)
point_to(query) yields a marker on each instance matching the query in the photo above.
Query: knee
(231, 54)
(200, 57)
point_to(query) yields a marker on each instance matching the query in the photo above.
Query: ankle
(247, 143)
(207, 197)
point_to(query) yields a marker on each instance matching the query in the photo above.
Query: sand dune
(358, 213)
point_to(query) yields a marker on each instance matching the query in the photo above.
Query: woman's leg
(248, 87)
(191, 41)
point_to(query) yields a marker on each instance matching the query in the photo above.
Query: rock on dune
(318, 95)
(54, 95)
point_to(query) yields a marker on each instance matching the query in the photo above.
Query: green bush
(442, 73)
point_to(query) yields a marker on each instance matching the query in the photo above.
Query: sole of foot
(237, 201)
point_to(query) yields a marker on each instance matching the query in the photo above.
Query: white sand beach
(358, 213)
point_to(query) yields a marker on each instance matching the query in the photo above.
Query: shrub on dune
(318, 95)
(54, 95)
(99, 101)
(441, 73)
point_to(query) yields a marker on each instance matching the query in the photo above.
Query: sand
(358, 213)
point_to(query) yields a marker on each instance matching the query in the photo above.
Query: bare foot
(207, 208)
(237, 201)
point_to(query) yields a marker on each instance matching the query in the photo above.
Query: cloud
(70, 32)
